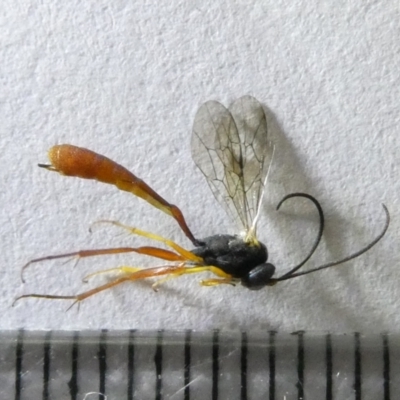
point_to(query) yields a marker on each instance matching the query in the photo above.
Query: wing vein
(232, 150)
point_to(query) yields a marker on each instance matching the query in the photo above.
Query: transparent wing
(232, 150)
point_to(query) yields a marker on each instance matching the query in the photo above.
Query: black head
(259, 277)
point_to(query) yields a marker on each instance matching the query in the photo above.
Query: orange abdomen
(76, 161)
(83, 163)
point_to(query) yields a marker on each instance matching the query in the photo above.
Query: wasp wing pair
(232, 150)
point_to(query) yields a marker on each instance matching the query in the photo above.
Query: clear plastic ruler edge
(189, 365)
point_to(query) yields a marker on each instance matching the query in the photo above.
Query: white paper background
(125, 79)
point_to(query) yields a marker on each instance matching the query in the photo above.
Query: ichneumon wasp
(232, 150)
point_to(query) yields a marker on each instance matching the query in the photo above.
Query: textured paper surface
(126, 79)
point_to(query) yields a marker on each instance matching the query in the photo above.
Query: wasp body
(232, 150)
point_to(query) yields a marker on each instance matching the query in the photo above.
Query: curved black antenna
(289, 274)
(348, 258)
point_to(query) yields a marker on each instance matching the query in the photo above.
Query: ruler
(190, 365)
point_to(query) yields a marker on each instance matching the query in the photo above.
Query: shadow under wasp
(232, 150)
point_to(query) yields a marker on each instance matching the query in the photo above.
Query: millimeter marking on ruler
(187, 361)
(243, 367)
(73, 382)
(329, 367)
(300, 365)
(46, 365)
(357, 366)
(102, 357)
(158, 364)
(215, 365)
(271, 361)
(18, 364)
(131, 364)
(386, 368)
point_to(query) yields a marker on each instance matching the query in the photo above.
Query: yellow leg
(215, 282)
(179, 270)
(208, 268)
(188, 255)
(182, 270)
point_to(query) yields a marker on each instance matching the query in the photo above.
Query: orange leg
(147, 250)
(142, 274)
(172, 271)
(138, 275)
(123, 270)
